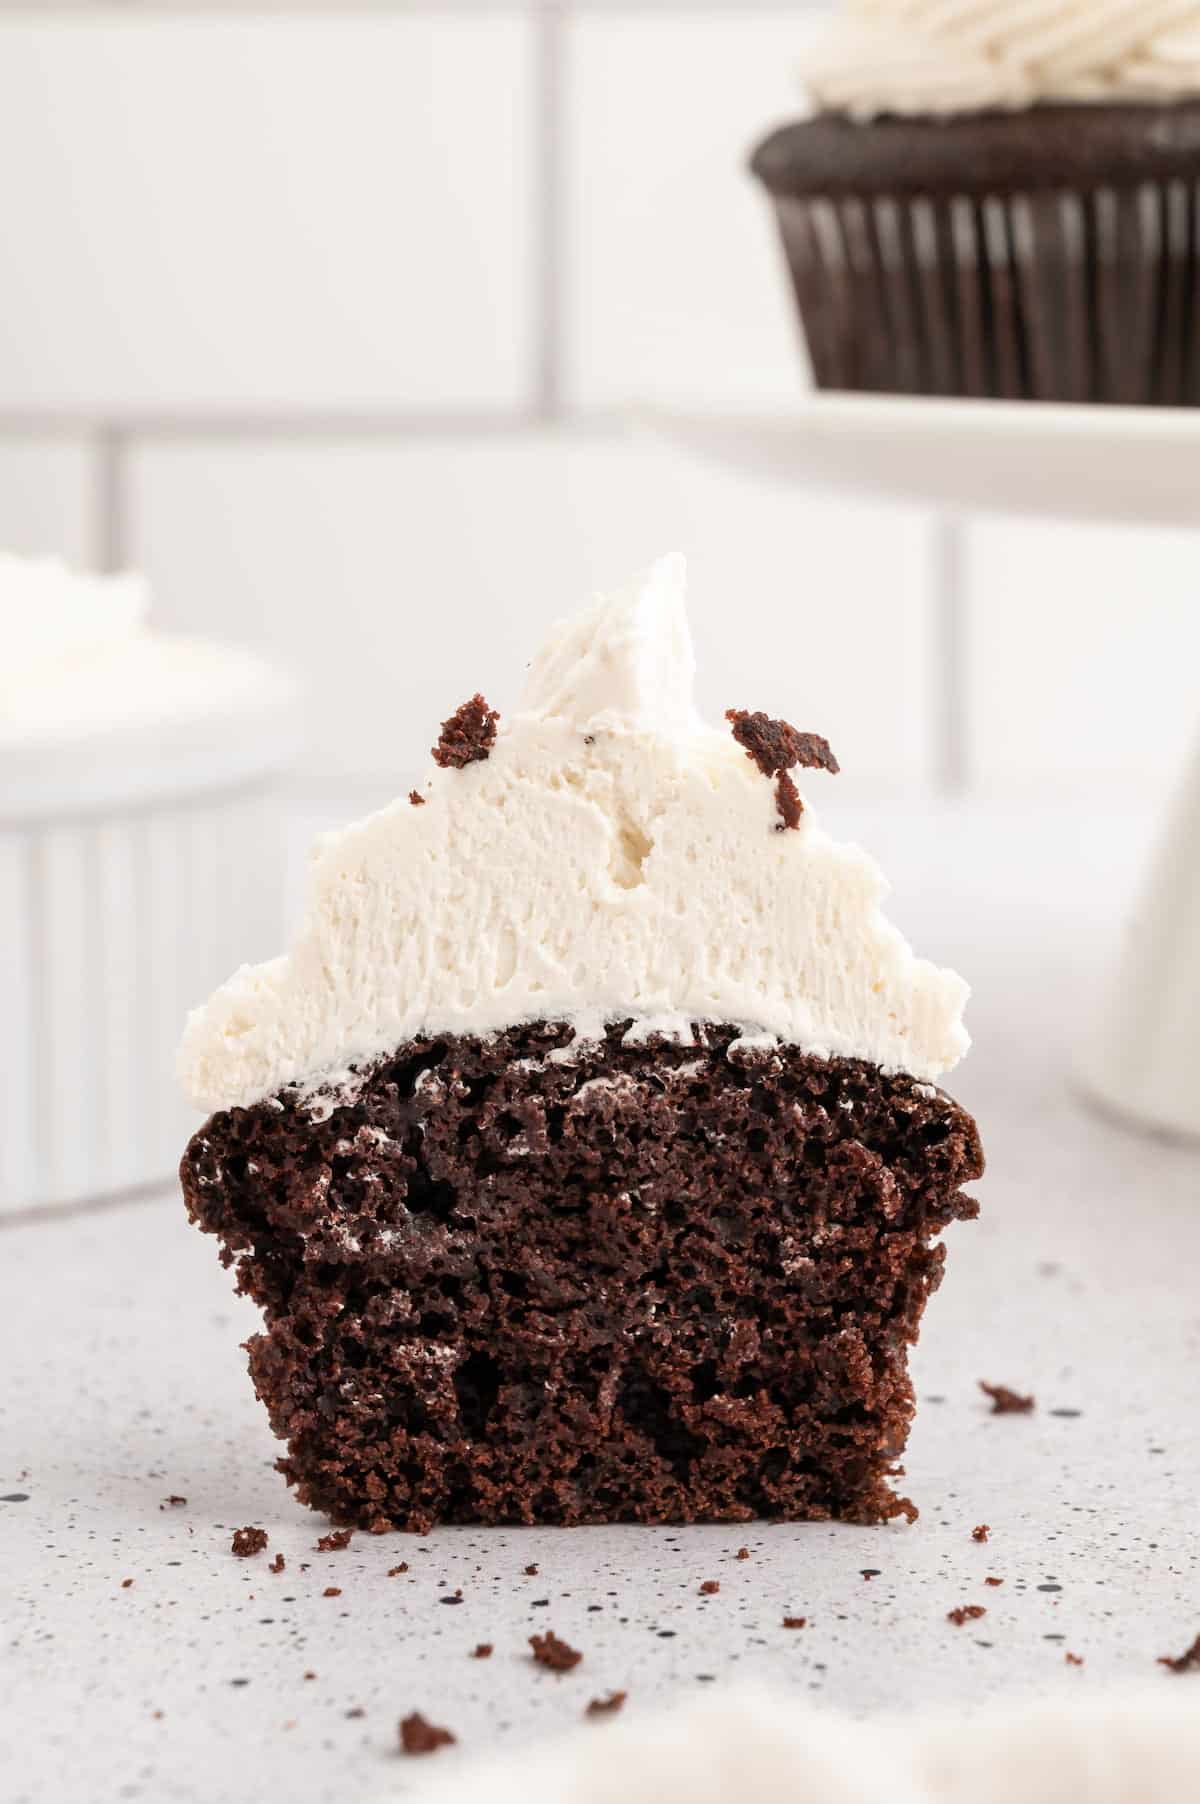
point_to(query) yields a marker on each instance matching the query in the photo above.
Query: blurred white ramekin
(141, 861)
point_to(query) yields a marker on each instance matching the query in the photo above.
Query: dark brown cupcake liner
(1020, 292)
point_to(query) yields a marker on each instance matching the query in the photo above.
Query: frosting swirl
(961, 56)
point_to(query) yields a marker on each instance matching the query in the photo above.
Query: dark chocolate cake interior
(516, 1280)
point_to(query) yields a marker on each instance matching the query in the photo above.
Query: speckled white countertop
(123, 1384)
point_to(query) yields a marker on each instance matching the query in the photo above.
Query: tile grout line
(109, 499)
(948, 586)
(549, 218)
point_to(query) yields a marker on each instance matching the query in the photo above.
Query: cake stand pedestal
(1135, 466)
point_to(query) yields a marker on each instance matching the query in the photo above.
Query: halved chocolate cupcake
(584, 1153)
(999, 201)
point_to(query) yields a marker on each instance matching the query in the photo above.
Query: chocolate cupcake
(992, 199)
(585, 1153)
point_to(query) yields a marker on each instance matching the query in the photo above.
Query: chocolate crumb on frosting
(417, 1736)
(776, 747)
(549, 1651)
(965, 1613)
(482, 1651)
(794, 1622)
(335, 1540)
(1006, 1402)
(606, 1706)
(710, 1587)
(416, 798)
(980, 1532)
(1185, 1662)
(278, 1564)
(468, 736)
(248, 1541)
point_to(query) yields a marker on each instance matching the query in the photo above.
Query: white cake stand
(1139, 466)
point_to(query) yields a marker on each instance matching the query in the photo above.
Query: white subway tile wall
(324, 314)
(400, 577)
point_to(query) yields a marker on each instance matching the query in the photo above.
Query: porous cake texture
(529, 1278)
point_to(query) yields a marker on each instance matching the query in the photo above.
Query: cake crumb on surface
(743, 1553)
(1006, 1402)
(550, 1651)
(1073, 1659)
(335, 1540)
(710, 1587)
(467, 736)
(277, 1564)
(993, 1581)
(332, 1591)
(173, 1502)
(795, 1622)
(531, 1570)
(606, 1706)
(416, 798)
(248, 1541)
(980, 1532)
(125, 1584)
(965, 1613)
(395, 1571)
(418, 1736)
(482, 1652)
(1188, 1661)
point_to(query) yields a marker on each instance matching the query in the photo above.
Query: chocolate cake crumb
(710, 1587)
(980, 1532)
(549, 1651)
(483, 1651)
(1073, 1659)
(743, 1553)
(531, 1571)
(248, 1541)
(335, 1540)
(787, 803)
(310, 1675)
(606, 1706)
(1186, 1662)
(794, 1622)
(468, 736)
(277, 1564)
(1006, 1402)
(965, 1613)
(332, 1591)
(416, 798)
(125, 1584)
(395, 1571)
(420, 1737)
(172, 1502)
(993, 1581)
(403, 1249)
(775, 747)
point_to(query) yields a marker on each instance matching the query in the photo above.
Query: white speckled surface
(123, 1383)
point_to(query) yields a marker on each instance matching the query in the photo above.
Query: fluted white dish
(140, 858)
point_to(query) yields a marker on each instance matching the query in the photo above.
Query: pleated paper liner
(1047, 255)
(1052, 297)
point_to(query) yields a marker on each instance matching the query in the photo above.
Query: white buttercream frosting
(957, 56)
(613, 857)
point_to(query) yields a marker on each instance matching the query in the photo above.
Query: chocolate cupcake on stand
(990, 215)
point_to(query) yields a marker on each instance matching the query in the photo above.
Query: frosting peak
(955, 56)
(611, 857)
(626, 664)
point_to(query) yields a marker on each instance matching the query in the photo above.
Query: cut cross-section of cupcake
(585, 1153)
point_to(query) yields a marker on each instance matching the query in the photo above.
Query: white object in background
(1142, 1063)
(771, 1747)
(139, 860)
(1068, 462)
